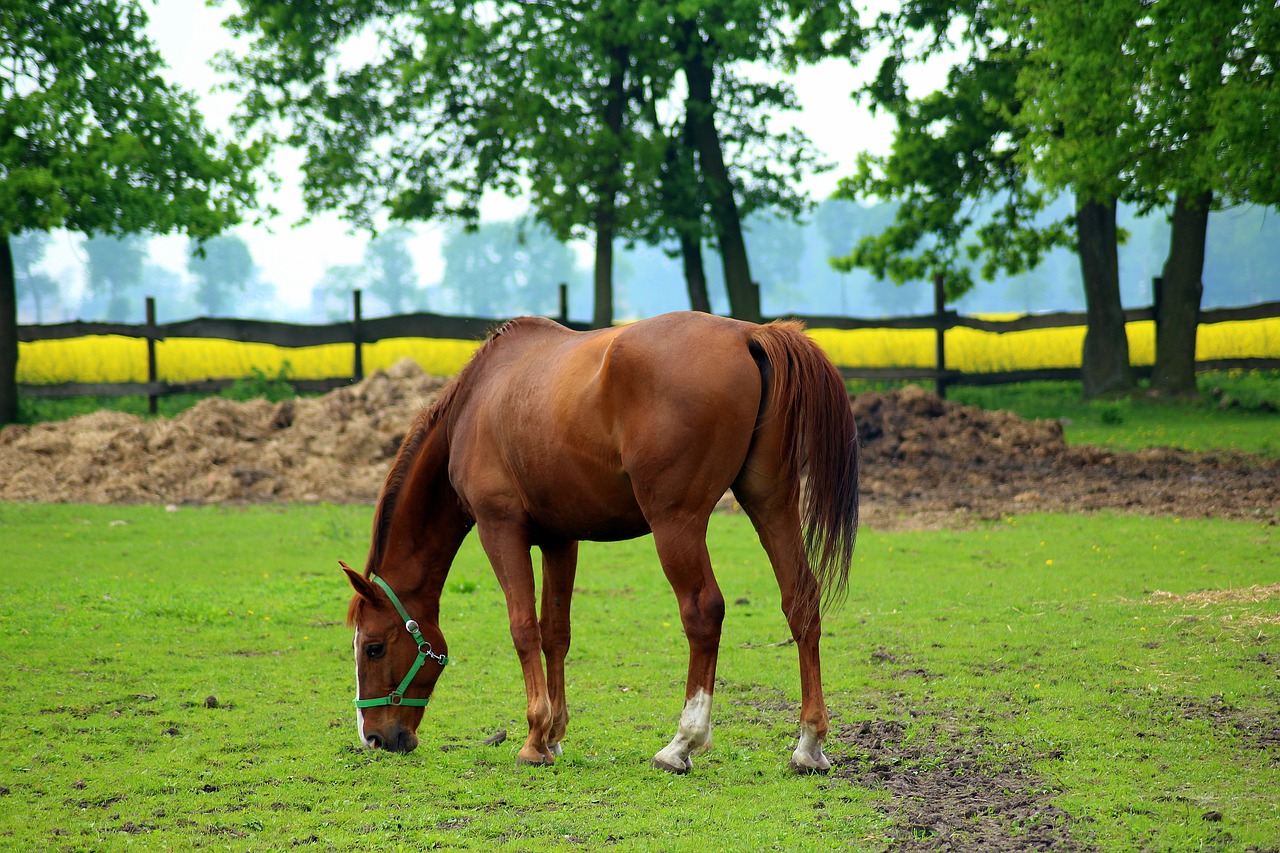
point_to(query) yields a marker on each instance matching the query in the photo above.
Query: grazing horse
(548, 437)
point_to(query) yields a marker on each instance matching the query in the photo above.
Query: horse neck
(426, 528)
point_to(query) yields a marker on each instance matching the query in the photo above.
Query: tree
(38, 288)
(115, 276)
(223, 268)
(391, 277)
(1164, 104)
(502, 269)
(959, 149)
(93, 139)
(434, 120)
(331, 298)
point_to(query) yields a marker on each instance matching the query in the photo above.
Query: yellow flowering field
(109, 358)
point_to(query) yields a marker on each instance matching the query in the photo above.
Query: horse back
(591, 433)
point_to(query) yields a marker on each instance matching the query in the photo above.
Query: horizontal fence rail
(360, 331)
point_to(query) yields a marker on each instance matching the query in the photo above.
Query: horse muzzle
(395, 739)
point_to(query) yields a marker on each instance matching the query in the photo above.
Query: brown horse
(549, 437)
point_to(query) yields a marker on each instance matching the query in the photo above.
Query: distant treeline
(507, 268)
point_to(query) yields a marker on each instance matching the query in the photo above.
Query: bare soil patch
(946, 798)
(927, 461)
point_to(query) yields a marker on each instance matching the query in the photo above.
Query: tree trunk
(695, 275)
(682, 205)
(744, 297)
(8, 334)
(607, 191)
(1180, 292)
(602, 305)
(1105, 365)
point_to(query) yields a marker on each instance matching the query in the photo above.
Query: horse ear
(362, 585)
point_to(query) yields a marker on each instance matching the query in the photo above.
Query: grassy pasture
(1060, 652)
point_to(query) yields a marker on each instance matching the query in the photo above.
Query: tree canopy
(94, 139)
(416, 108)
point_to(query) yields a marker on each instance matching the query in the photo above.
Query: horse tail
(806, 396)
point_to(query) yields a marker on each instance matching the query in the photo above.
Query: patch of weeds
(260, 384)
(1109, 412)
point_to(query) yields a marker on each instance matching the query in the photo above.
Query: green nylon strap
(424, 651)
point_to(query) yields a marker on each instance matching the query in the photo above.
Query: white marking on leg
(692, 735)
(359, 711)
(809, 755)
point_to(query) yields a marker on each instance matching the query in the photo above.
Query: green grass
(1032, 644)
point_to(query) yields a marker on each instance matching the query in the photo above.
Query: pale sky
(189, 34)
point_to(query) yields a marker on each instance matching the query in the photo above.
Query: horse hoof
(538, 760)
(678, 769)
(809, 765)
(556, 750)
(809, 770)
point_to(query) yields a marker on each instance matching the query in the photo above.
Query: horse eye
(373, 651)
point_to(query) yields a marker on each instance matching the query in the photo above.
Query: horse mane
(419, 431)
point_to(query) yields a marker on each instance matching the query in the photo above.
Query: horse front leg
(508, 552)
(688, 567)
(559, 567)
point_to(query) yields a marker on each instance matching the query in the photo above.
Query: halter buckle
(411, 626)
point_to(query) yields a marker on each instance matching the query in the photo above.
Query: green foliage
(93, 139)
(165, 685)
(35, 410)
(259, 385)
(460, 99)
(1142, 102)
(954, 159)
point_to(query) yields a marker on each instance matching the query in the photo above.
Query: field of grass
(181, 680)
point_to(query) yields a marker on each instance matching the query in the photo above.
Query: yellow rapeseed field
(109, 358)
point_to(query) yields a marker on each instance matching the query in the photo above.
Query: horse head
(398, 661)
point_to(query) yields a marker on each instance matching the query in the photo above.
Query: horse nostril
(374, 741)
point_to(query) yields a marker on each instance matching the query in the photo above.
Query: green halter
(424, 651)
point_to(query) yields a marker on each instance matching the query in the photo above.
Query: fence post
(564, 304)
(940, 333)
(152, 374)
(357, 369)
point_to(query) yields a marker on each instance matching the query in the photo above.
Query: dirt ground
(927, 462)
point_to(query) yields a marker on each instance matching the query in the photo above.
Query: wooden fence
(360, 330)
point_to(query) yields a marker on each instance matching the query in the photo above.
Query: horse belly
(583, 501)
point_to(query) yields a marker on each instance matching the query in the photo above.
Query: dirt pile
(929, 458)
(926, 460)
(332, 448)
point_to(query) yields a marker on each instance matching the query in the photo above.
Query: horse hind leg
(776, 517)
(682, 549)
(559, 567)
